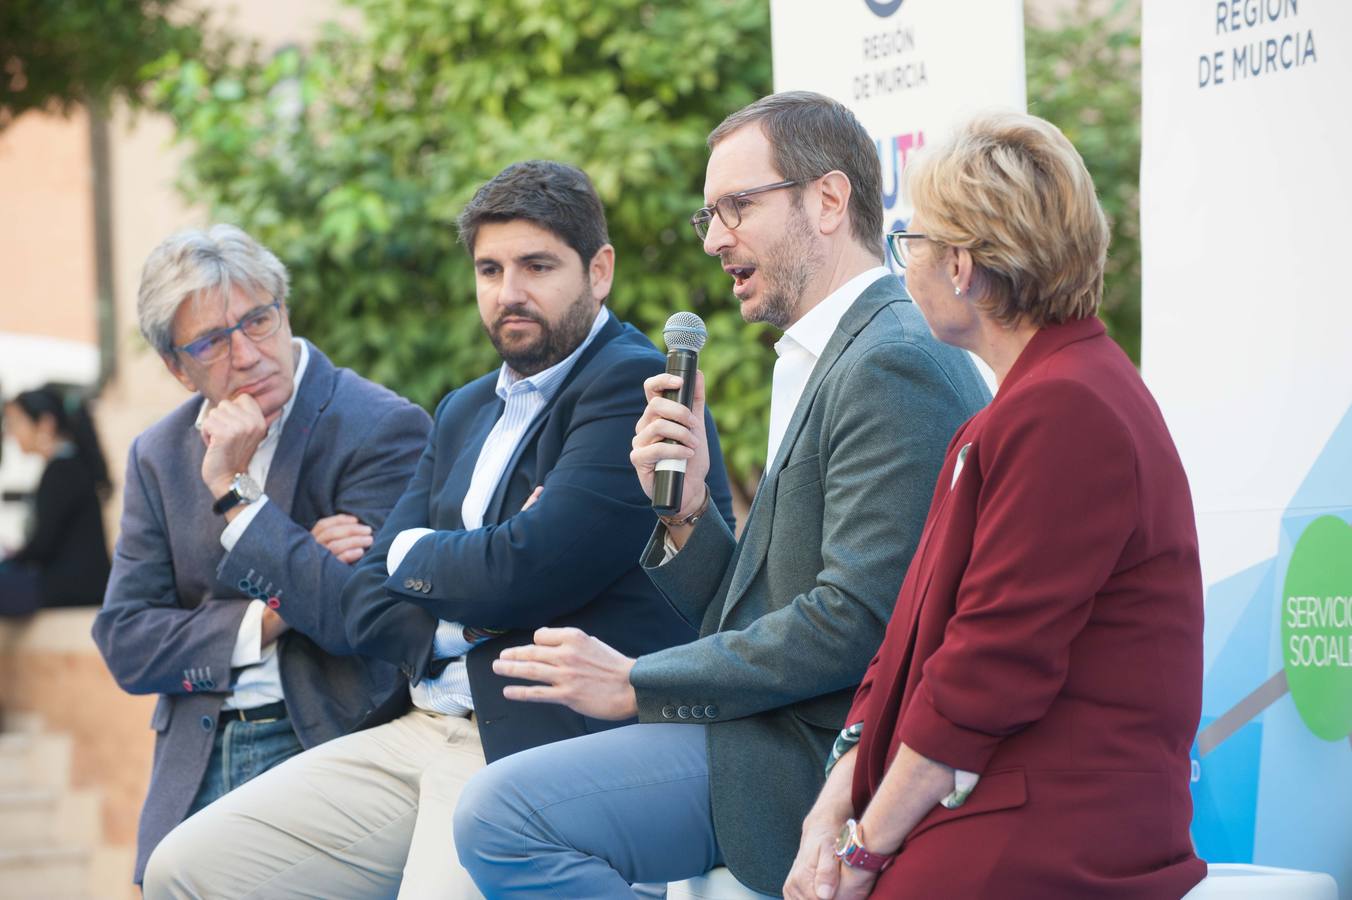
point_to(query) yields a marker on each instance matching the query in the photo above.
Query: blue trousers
(20, 590)
(589, 816)
(244, 750)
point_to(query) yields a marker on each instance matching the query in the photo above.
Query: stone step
(110, 871)
(45, 872)
(42, 817)
(34, 760)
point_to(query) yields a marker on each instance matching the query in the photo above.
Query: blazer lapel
(609, 331)
(755, 543)
(312, 397)
(450, 499)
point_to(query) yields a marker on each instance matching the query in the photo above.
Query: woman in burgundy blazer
(1047, 643)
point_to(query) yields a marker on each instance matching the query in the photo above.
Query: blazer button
(274, 602)
(696, 712)
(426, 586)
(711, 712)
(244, 584)
(207, 723)
(668, 712)
(209, 685)
(683, 712)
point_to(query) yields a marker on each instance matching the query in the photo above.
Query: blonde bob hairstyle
(1014, 192)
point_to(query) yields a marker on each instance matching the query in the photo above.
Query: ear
(601, 272)
(961, 269)
(176, 369)
(834, 191)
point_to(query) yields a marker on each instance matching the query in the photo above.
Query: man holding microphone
(735, 727)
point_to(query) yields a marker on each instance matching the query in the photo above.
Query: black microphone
(685, 335)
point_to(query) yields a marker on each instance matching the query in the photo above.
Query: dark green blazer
(790, 615)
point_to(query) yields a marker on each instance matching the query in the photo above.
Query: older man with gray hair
(243, 512)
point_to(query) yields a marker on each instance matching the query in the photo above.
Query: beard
(788, 267)
(554, 341)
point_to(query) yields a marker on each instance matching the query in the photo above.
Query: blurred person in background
(64, 560)
(1024, 730)
(244, 510)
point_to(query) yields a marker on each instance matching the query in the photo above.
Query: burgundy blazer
(1048, 636)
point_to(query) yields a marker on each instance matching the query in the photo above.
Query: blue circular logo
(883, 8)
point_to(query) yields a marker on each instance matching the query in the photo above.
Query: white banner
(1245, 337)
(909, 69)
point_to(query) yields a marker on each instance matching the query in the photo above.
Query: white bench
(1224, 881)
(1233, 881)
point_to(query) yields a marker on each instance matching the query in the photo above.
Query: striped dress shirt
(523, 398)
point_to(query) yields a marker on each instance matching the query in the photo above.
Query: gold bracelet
(691, 519)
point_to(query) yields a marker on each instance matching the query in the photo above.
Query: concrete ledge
(51, 672)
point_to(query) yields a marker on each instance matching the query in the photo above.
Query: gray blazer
(175, 598)
(790, 616)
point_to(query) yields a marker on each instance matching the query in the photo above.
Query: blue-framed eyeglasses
(256, 325)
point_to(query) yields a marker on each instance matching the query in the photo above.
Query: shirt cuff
(399, 547)
(249, 643)
(234, 530)
(669, 548)
(846, 741)
(963, 785)
(449, 640)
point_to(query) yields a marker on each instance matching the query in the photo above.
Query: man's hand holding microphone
(671, 455)
(670, 448)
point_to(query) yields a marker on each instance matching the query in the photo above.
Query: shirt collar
(302, 363)
(548, 381)
(814, 329)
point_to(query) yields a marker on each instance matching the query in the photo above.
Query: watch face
(845, 840)
(247, 488)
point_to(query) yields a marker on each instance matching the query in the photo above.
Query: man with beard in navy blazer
(524, 512)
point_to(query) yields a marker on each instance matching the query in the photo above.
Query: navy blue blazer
(571, 559)
(176, 597)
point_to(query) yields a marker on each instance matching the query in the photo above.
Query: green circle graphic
(1316, 614)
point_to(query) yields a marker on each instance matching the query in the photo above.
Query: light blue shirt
(523, 398)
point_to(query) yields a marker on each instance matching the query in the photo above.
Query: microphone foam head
(685, 331)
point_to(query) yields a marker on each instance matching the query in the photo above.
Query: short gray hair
(199, 264)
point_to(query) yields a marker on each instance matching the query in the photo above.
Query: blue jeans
(20, 589)
(590, 816)
(244, 750)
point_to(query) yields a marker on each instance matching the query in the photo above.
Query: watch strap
(851, 850)
(227, 502)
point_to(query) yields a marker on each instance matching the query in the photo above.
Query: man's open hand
(575, 670)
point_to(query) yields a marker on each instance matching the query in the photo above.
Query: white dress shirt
(798, 350)
(449, 694)
(801, 346)
(257, 679)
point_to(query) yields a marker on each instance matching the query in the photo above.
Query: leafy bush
(352, 160)
(57, 53)
(1084, 74)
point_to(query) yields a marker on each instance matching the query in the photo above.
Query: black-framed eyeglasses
(901, 250)
(256, 325)
(729, 208)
